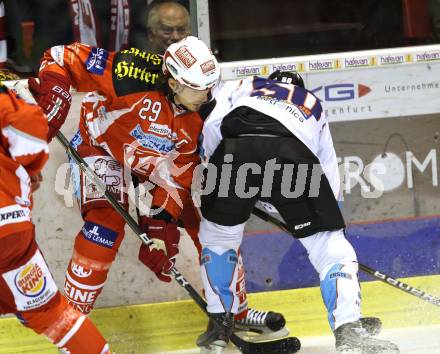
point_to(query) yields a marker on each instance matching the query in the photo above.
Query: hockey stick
(281, 346)
(367, 270)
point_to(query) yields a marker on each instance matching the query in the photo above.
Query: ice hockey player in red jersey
(135, 118)
(141, 117)
(27, 288)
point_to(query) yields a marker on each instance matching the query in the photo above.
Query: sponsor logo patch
(185, 57)
(96, 61)
(151, 141)
(13, 214)
(135, 71)
(30, 281)
(79, 270)
(128, 70)
(148, 57)
(302, 226)
(162, 129)
(339, 275)
(208, 67)
(81, 299)
(99, 234)
(80, 296)
(31, 284)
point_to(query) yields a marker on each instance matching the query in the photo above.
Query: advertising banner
(371, 84)
(380, 92)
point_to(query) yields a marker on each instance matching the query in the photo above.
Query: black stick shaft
(367, 270)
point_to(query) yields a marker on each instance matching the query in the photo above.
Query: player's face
(190, 98)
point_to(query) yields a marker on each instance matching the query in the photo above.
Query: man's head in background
(167, 22)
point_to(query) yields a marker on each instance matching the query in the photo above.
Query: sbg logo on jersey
(341, 92)
(99, 234)
(97, 61)
(31, 281)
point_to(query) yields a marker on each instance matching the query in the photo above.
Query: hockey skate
(216, 337)
(372, 325)
(353, 338)
(260, 326)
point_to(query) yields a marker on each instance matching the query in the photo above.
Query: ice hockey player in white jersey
(267, 140)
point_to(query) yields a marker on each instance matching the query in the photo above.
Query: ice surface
(414, 340)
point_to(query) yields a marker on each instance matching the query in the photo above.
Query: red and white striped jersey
(23, 153)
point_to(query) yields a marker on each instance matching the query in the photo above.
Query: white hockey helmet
(191, 63)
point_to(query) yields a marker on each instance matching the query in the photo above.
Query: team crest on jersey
(110, 172)
(97, 61)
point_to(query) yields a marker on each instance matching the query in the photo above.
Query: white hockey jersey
(296, 108)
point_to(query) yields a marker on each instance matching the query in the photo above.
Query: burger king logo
(30, 281)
